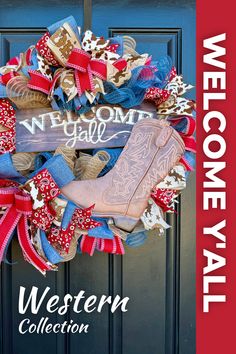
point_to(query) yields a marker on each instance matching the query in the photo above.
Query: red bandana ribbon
(45, 51)
(163, 198)
(18, 208)
(156, 95)
(82, 219)
(7, 121)
(85, 68)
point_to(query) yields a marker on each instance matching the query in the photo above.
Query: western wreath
(76, 108)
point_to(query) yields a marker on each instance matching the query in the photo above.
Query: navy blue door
(159, 277)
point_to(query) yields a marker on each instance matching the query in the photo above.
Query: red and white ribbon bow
(85, 67)
(18, 209)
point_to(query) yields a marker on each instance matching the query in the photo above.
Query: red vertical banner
(216, 183)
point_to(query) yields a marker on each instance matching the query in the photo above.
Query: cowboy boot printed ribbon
(177, 87)
(7, 127)
(68, 84)
(153, 218)
(62, 42)
(59, 206)
(176, 106)
(42, 189)
(92, 43)
(169, 100)
(174, 180)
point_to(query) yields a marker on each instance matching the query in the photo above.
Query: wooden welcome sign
(104, 126)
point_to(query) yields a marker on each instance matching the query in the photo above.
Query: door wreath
(72, 200)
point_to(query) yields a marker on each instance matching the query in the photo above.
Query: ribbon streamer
(18, 209)
(89, 244)
(185, 126)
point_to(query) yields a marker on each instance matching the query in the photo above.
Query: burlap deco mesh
(73, 248)
(22, 96)
(24, 161)
(89, 167)
(129, 45)
(68, 153)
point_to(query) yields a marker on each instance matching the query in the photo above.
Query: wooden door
(159, 277)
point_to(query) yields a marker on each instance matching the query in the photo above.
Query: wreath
(47, 197)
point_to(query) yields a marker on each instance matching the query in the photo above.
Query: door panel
(158, 277)
(38, 13)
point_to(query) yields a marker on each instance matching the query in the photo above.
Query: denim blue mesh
(54, 27)
(59, 170)
(117, 40)
(114, 154)
(8, 170)
(136, 239)
(41, 158)
(3, 92)
(102, 231)
(49, 251)
(191, 158)
(69, 211)
(132, 92)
